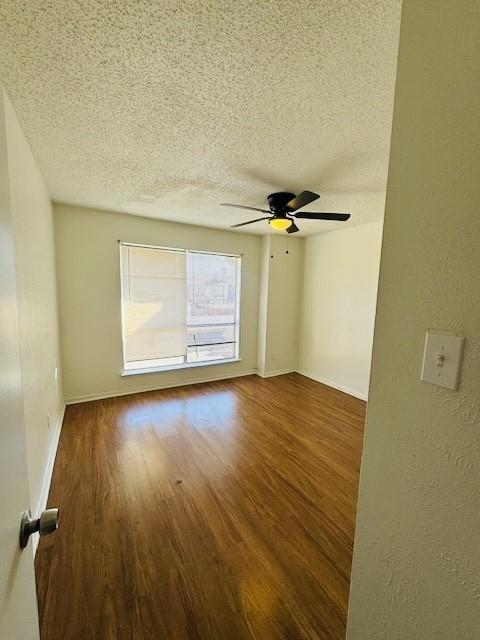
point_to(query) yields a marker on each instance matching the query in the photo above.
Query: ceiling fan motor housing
(278, 202)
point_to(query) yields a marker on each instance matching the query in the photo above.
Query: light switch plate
(442, 359)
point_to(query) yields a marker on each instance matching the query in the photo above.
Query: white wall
(328, 337)
(338, 309)
(18, 604)
(416, 563)
(264, 267)
(37, 306)
(89, 298)
(281, 281)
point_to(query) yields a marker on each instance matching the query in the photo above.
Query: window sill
(177, 367)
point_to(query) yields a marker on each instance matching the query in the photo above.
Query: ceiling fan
(283, 206)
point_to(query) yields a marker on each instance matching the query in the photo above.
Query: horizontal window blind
(178, 306)
(154, 304)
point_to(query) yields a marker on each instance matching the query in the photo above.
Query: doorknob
(45, 524)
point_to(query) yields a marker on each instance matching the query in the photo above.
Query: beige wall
(338, 309)
(18, 604)
(89, 297)
(264, 267)
(335, 324)
(37, 305)
(417, 563)
(281, 280)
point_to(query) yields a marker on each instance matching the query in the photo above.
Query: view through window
(179, 307)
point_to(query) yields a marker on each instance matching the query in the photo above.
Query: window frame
(128, 371)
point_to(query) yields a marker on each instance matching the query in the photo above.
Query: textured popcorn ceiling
(167, 108)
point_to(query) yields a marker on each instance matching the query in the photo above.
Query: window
(179, 307)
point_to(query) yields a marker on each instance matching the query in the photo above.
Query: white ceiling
(196, 102)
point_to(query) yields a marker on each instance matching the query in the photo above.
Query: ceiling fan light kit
(283, 206)
(281, 224)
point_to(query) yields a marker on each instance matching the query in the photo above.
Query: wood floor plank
(221, 511)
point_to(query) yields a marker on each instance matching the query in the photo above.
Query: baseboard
(351, 392)
(279, 372)
(268, 374)
(47, 476)
(121, 392)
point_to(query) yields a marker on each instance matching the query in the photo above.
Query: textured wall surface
(37, 302)
(338, 308)
(194, 103)
(417, 561)
(88, 268)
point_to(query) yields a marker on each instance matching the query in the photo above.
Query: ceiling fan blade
(242, 224)
(341, 217)
(301, 200)
(293, 228)
(241, 206)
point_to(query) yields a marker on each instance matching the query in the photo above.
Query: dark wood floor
(221, 511)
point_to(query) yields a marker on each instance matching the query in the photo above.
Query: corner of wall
(279, 305)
